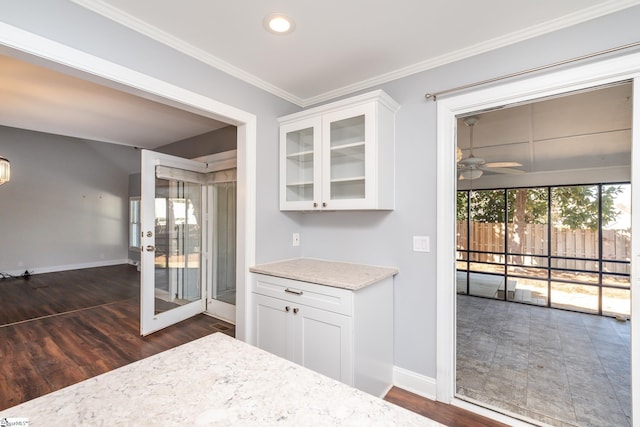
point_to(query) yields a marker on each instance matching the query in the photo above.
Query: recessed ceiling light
(279, 23)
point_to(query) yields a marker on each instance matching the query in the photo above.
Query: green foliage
(577, 207)
(609, 197)
(536, 208)
(487, 205)
(573, 207)
(461, 205)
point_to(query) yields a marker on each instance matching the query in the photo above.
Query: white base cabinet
(343, 334)
(316, 339)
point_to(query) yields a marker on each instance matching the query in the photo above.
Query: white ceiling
(39, 99)
(337, 47)
(581, 131)
(341, 46)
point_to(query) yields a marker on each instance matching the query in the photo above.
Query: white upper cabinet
(339, 156)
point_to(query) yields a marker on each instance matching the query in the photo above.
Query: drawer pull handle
(291, 291)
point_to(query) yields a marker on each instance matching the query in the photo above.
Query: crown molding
(102, 8)
(483, 47)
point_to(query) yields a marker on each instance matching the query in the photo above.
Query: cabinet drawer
(319, 296)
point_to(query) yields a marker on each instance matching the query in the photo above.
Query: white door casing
(128, 80)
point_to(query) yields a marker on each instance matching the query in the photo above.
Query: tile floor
(557, 367)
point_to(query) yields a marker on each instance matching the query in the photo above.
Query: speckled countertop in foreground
(337, 274)
(215, 380)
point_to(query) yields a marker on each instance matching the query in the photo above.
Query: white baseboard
(415, 383)
(56, 268)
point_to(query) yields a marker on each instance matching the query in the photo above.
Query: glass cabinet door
(347, 158)
(301, 169)
(339, 156)
(349, 147)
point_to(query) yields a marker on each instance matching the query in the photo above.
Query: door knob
(150, 248)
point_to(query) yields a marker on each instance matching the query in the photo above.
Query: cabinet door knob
(295, 311)
(315, 204)
(324, 204)
(287, 308)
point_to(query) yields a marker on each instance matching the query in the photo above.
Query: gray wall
(66, 204)
(371, 237)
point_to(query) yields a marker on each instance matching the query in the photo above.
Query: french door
(174, 245)
(222, 196)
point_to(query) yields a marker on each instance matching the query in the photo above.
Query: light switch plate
(296, 239)
(421, 244)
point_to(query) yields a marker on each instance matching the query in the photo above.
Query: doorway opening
(547, 237)
(17, 42)
(551, 86)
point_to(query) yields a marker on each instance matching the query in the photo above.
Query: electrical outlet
(296, 239)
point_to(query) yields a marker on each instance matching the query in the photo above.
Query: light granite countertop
(331, 273)
(215, 380)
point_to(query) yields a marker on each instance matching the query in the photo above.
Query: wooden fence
(490, 237)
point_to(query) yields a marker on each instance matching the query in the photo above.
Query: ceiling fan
(473, 167)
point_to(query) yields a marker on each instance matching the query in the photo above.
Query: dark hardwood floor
(64, 343)
(445, 414)
(54, 293)
(57, 329)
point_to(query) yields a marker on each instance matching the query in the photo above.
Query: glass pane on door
(299, 167)
(348, 158)
(224, 250)
(172, 251)
(178, 231)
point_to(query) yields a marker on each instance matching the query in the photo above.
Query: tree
(574, 207)
(519, 222)
(487, 206)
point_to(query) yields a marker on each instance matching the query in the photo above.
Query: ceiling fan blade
(502, 165)
(503, 170)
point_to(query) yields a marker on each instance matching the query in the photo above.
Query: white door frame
(93, 68)
(526, 89)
